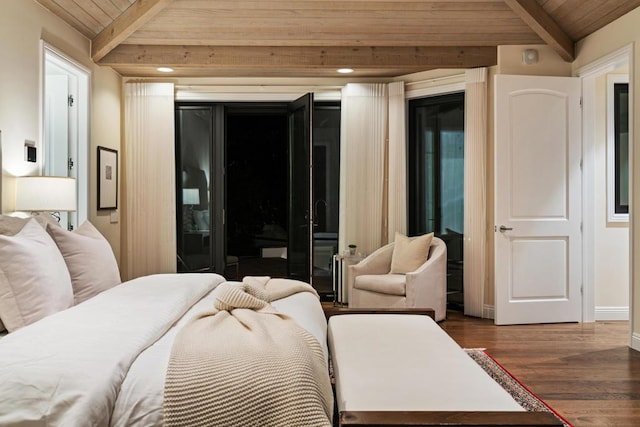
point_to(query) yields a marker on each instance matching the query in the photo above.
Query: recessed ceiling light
(165, 69)
(345, 70)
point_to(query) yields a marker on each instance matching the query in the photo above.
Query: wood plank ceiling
(305, 38)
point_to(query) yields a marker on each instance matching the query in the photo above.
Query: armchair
(370, 285)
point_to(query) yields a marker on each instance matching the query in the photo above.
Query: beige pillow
(409, 254)
(89, 258)
(11, 225)
(34, 280)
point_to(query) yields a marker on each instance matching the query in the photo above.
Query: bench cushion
(407, 363)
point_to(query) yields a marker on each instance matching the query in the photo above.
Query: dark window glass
(436, 178)
(621, 147)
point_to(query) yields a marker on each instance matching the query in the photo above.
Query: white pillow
(34, 280)
(409, 253)
(89, 258)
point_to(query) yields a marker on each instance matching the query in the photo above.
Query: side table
(341, 265)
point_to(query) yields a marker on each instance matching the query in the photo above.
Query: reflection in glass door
(326, 192)
(194, 128)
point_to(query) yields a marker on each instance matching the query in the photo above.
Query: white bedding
(103, 361)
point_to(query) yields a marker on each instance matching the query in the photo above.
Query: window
(436, 178)
(618, 147)
(65, 113)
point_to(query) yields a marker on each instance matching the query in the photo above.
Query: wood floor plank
(585, 371)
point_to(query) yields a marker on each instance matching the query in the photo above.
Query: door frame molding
(82, 163)
(588, 75)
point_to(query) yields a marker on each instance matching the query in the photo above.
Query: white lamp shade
(46, 194)
(190, 196)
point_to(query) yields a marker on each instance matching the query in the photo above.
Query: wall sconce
(52, 194)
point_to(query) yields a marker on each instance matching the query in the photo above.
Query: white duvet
(103, 362)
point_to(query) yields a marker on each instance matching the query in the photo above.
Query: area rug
(525, 397)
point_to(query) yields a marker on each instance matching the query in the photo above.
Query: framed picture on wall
(107, 178)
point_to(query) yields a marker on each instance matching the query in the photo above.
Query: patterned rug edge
(520, 392)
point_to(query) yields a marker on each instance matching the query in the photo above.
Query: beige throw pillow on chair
(409, 254)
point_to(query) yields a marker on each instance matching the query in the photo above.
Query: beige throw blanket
(245, 364)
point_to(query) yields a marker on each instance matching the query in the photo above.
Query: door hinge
(70, 100)
(580, 164)
(581, 226)
(70, 163)
(580, 102)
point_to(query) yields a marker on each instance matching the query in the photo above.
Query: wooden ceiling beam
(126, 24)
(300, 57)
(543, 25)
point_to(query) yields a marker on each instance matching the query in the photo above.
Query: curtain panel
(149, 230)
(362, 164)
(397, 170)
(475, 197)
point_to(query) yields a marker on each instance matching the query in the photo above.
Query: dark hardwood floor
(585, 371)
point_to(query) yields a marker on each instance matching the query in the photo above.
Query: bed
(102, 360)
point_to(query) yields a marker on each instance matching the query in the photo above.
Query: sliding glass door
(246, 193)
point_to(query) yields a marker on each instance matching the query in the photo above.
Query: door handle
(503, 228)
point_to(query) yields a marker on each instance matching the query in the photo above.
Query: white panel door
(537, 200)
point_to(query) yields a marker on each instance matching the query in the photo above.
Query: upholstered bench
(400, 368)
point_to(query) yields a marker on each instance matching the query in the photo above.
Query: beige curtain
(475, 198)
(149, 228)
(362, 165)
(397, 162)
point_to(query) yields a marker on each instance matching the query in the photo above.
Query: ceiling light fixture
(345, 70)
(165, 69)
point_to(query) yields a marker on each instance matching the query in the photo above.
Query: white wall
(23, 23)
(611, 266)
(610, 38)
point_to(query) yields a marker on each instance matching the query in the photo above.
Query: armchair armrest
(427, 286)
(379, 262)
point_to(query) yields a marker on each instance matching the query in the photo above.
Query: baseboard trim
(612, 313)
(635, 341)
(601, 313)
(488, 312)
